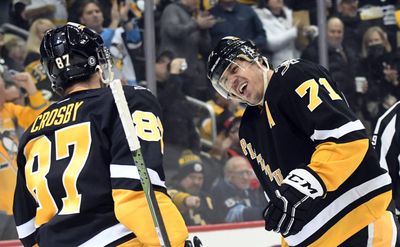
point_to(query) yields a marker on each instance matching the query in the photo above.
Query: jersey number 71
(311, 86)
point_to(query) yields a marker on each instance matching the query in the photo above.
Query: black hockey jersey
(386, 140)
(77, 184)
(305, 121)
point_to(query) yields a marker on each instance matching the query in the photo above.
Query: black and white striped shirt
(386, 140)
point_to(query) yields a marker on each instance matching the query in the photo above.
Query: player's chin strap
(107, 75)
(264, 68)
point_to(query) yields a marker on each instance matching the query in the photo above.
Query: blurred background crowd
(208, 177)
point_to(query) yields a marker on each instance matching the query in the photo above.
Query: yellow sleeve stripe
(334, 162)
(385, 232)
(132, 210)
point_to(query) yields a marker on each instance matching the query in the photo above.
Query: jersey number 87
(38, 161)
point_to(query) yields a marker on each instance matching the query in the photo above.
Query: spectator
(187, 192)
(187, 37)
(14, 52)
(179, 130)
(73, 15)
(119, 39)
(281, 31)
(17, 14)
(233, 195)
(380, 13)
(379, 66)
(32, 61)
(224, 111)
(236, 19)
(342, 61)
(354, 27)
(90, 14)
(13, 116)
(227, 144)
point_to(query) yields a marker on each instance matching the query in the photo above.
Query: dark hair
(165, 54)
(83, 5)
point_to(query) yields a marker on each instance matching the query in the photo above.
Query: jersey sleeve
(315, 105)
(131, 207)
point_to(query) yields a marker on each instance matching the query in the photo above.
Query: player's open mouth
(242, 87)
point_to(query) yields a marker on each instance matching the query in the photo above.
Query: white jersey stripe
(337, 206)
(386, 141)
(26, 229)
(394, 229)
(370, 234)
(107, 236)
(123, 171)
(378, 123)
(338, 132)
(398, 163)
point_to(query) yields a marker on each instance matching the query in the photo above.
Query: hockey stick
(134, 146)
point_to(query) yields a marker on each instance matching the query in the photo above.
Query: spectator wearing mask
(187, 192)
(379, 66)
(233, 195)
(380, 13)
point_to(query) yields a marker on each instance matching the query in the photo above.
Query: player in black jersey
(77, 184)
(312, 155)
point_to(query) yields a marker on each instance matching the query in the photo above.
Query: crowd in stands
(210, 183)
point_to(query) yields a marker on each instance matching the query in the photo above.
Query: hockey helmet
(72, 53)
(227, 50)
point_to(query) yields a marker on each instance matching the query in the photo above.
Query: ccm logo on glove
(305, 182)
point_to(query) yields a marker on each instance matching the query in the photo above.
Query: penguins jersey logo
(286, 65)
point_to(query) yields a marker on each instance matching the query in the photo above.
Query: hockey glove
(196, 242)
(287, 212)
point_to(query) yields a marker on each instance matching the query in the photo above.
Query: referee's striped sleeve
(385, 138)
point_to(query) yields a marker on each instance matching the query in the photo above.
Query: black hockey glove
(196, 242)
(287, 212)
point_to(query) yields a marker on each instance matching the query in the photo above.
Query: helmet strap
(264, 68)
(106, 76)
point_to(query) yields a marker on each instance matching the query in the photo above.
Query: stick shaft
(134, 146)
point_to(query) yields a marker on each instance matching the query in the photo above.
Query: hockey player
(311, 154)
(77, 184)
(386, 139)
